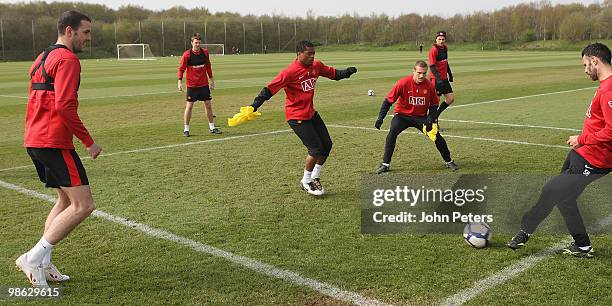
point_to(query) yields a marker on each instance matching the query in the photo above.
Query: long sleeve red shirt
(51, 116)
(596, 136)
(200, 70)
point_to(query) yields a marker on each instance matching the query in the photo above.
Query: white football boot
(52, 274)
(35, 274)
(311, 188)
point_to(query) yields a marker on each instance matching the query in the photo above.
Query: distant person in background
(589, 160)
(421, 48)
(196, 61)
(440, 73)
(51, 122)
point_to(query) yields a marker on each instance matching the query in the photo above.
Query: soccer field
(220, 219)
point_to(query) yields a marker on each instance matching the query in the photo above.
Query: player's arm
(384, 109)
(66, 84)
(392, 96)
(181, 71)
(264, 95)
(605, 134)
(450, 73)
(432, 113)
(433, 54)
(211, 83)
(344, 74)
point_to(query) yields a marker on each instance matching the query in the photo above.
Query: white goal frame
(209, 46)
(144, 47)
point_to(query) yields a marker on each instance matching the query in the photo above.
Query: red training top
(198, 68)
(596, 137)
(299, 82)
(439, 56)
(51, 116)
(413, 99)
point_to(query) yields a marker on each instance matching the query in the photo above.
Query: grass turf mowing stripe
(522, 97)
(456, 136)
(514, 125)
(513, 270)
(252, 264)
(166, 147)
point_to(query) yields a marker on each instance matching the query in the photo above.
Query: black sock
(442, 107)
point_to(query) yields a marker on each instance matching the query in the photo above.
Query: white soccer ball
(477, 234)
(370, 92)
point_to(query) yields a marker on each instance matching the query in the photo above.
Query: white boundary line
(518, 98)
(512, 270)
(167, 146)
(455, 136)
(249, 263)
(514, 125)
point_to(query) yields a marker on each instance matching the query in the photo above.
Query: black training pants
(399, 124)
(562, 191)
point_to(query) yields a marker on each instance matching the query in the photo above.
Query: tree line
(27, 28)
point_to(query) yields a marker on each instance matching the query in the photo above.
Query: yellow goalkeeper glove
(431, 134)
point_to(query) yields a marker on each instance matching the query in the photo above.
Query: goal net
(134, 52)
(214, 49)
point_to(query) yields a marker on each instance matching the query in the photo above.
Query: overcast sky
(294, 8)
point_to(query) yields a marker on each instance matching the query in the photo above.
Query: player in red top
(416, 106)
(298, 80)
(441, 74)
(199, 72)
(589, 160)
(51, 122)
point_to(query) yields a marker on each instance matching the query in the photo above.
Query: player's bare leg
(211, 117)
(81, 206)
(187, 117)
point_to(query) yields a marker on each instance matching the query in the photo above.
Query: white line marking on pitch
(166, 147)
(514, 125)
(456, 136)
(512, 270)
(518, 98)
(252, 264)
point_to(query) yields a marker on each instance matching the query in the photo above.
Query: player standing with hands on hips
(51, 122)
(298, 80)
(589, 160)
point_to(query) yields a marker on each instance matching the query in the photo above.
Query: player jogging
(589, 160)
(416, 106)
(441, 74)
(51, 122)
(199, 71)
(298, 80)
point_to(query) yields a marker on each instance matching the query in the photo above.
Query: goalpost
(214, 49)
(134, 52)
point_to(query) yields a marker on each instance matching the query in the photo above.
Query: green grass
(242, 196)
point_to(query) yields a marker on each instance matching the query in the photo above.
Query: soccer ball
(370, 92)
(477, 234)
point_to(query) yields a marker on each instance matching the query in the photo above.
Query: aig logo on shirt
(308, 85)
(416, 100)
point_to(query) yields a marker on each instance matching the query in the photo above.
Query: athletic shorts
(314, 135)
(445, 89)
(58, 167)
(198, 94)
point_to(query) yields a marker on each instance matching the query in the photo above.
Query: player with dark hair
(441, 74)
(200, 82)
(416, 107)
(51, 122)
(298, 80)
(589, 160)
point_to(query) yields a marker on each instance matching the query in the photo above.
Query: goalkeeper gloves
(247, 113)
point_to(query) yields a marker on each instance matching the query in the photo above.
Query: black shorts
(198, 94)
(445, 88)
(314, 135)
(58, 167)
